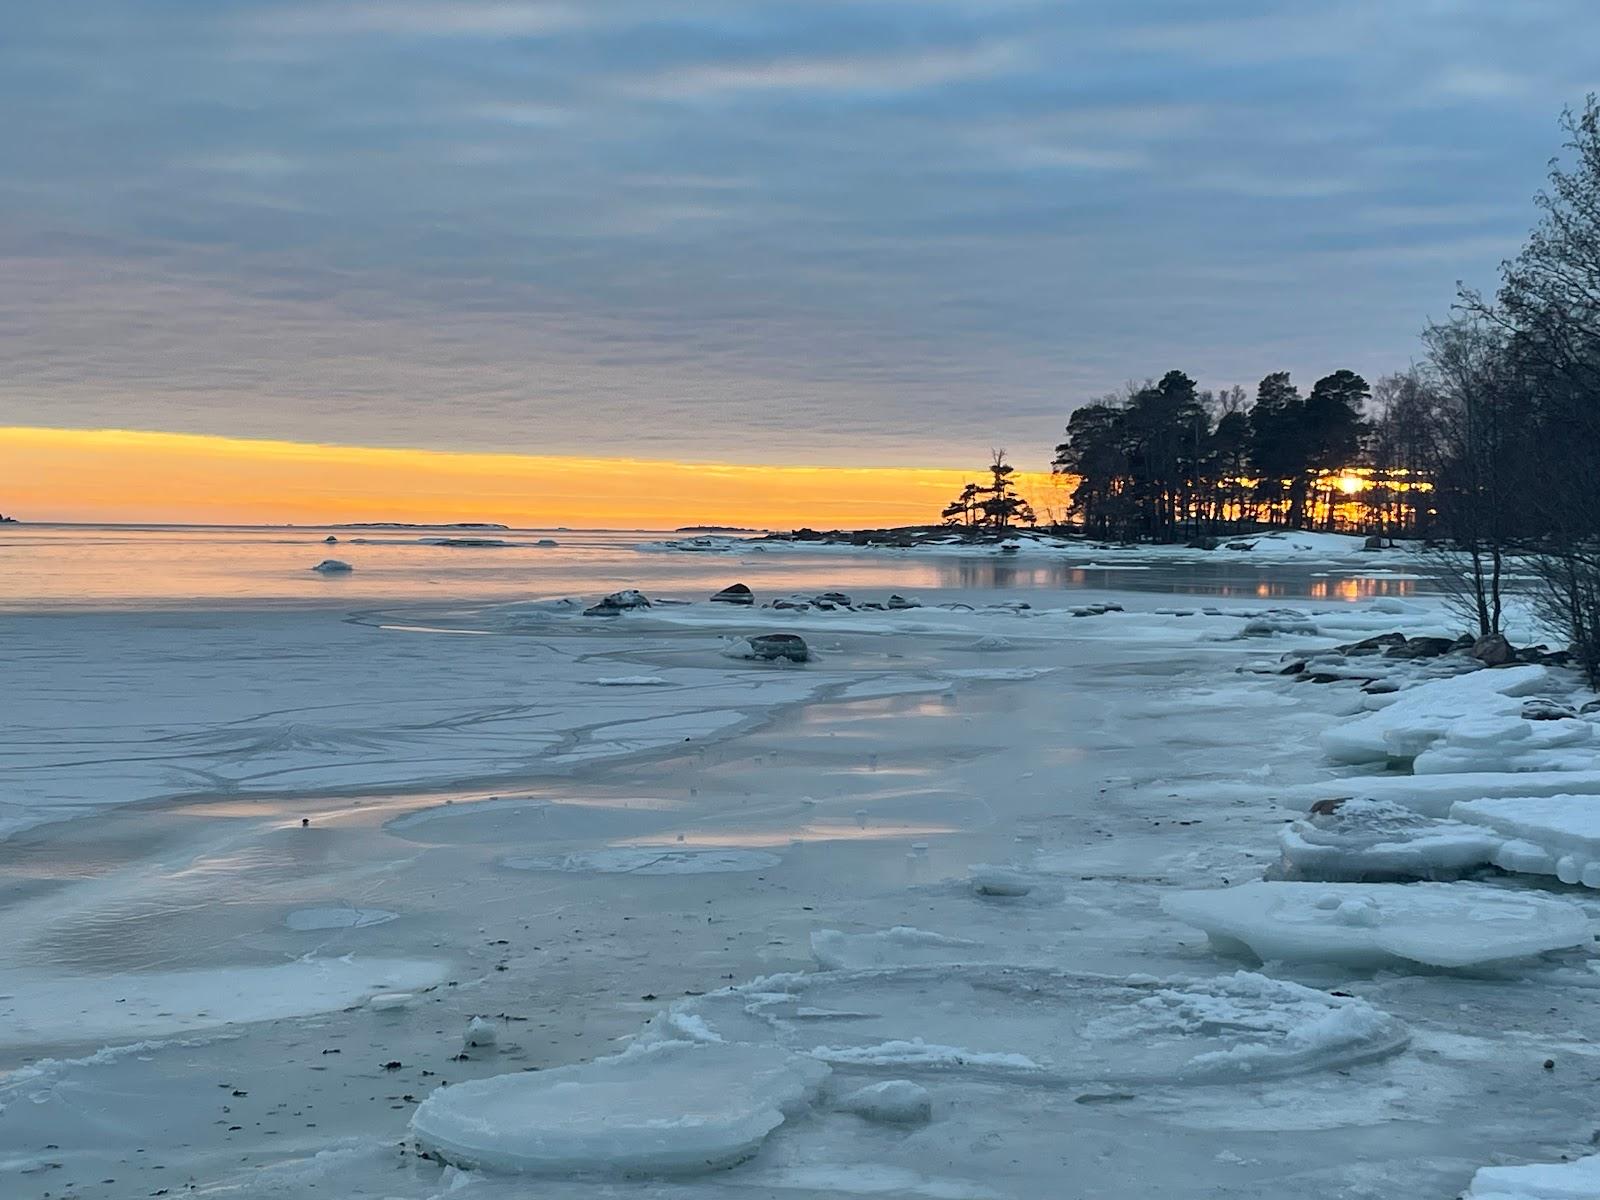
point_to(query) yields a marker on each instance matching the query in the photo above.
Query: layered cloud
(843, 232)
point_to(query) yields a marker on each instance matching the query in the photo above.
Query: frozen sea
(900, 921)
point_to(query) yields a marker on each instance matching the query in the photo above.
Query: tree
(1277, 445)
(995, 507)
(1332, 429)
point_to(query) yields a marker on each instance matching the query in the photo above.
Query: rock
(734, 593)
(1241, 545)
(898, 601)
(796, 605)
(1203, 543)
(330, 539)
(1492, 650)
(1380, 687)
(333, 566)
(1421, 647)
(1592, 707)
(834, 598)
(1373, 543)
(769, 647)
(617, 603)
(1374, 645)
(1542, 708)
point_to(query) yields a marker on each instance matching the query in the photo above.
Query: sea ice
(901, 946)
(1422, 715)
(1542, 835)
(892, 1101)
(333, 566)
(306, 919)
(1376, 841)
(668, 1108)
(1049, 1027)
(651, 860)
(1576, 1180)
(990, 880)
(1381, 924)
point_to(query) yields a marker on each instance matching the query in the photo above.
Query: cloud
(750, 231)
(895, 72)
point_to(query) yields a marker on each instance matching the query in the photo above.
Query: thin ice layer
(671, 1108)
(1381, 924)
(1048, 1027)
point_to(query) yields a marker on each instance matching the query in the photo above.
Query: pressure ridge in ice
(1381, 924)
(669, 1108)
(1048, 1027)
(1423, 715)
(1576, 1180)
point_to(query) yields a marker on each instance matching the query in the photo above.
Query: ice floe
(1447, 925)
(1048, 1027)
(1575, 1180)
(1377, 841)
(1542, 835)
(890, 1101)
(669, 1108)
(1421, 716)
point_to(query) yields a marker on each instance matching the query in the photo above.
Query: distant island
(5, 520)
(714, 529)
(416, 525)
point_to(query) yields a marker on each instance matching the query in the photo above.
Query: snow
(1576, 1180)
(1381, 924)
(1433, 795)
(1421, 716)
(671, 1108)
(991, 880)
(1544, 835)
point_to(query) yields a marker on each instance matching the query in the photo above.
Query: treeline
(1167, 461)
(1490, 444)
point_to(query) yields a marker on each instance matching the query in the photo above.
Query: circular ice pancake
(1048, 1027)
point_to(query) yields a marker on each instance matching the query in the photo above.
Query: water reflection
(52, 567)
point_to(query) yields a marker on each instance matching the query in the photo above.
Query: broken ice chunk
(1381, 924)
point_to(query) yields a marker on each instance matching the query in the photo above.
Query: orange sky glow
(127, 476)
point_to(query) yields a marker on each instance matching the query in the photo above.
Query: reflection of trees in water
(1190, 579)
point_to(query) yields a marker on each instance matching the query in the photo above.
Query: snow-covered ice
(1543, 835)
(1422, 716)
(1377, 841)
(1382, 924)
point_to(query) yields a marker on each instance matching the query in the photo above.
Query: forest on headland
(1487, 446)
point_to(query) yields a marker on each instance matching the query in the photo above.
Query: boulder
(1241, 545)
(1592, 707)
(1542, 708)
(333, 566)
(618, 603)
(1374, 645)
(1203, 543)
(330, 539)
(1373, 543)
(796, 605)
(734, 593)
(839, 599)
(1492, 650)
(898, 601)
(1421, 647)
(771, 647)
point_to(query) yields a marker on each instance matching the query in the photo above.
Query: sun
(1351, 484)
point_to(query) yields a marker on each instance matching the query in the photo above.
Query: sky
(884, 232)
